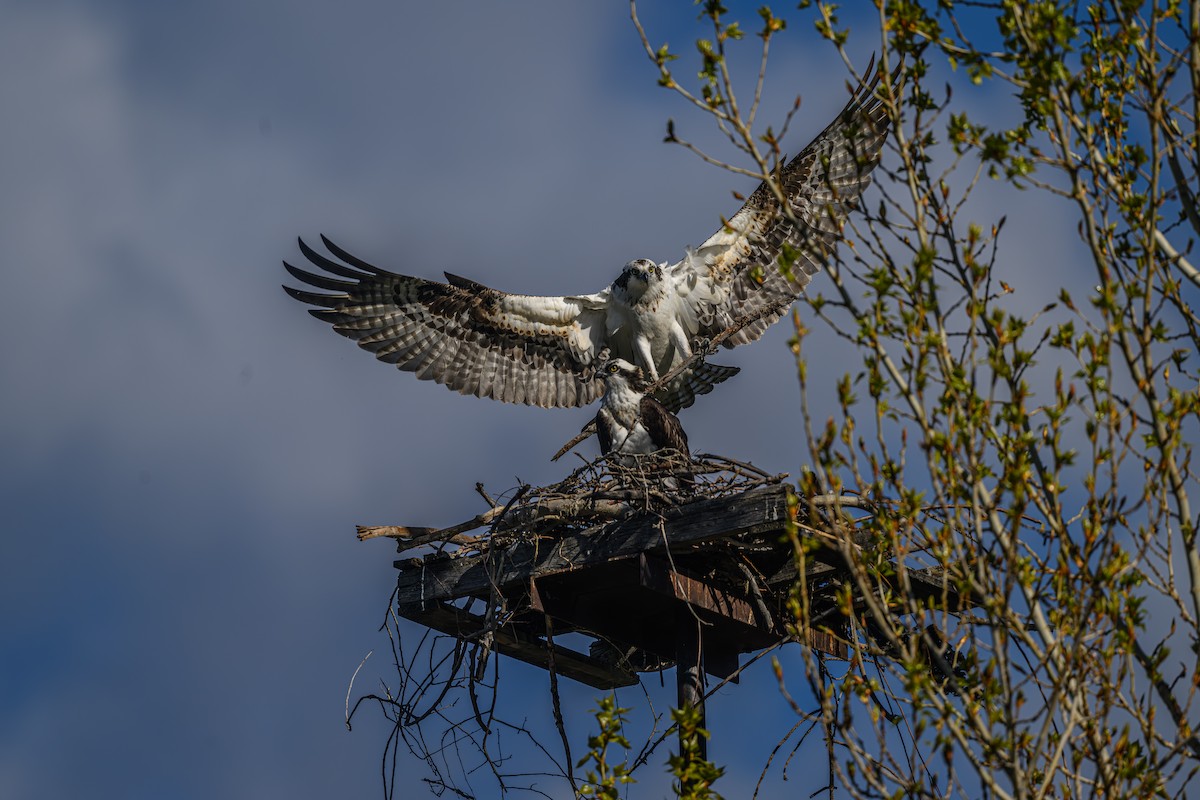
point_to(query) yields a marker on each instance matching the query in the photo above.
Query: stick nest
(600, 491)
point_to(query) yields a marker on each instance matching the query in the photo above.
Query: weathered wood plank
(759, 510)
(658, 576)
(522, 646)
(827, 643)
(936, 585)
(591, 582)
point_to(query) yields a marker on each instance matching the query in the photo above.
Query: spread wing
(475, 340)
(736, 273)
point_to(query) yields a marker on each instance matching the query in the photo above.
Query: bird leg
(680, 340)
(641, 345)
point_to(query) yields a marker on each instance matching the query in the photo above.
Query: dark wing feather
(475, 340)
(735, 274)
(681, 392)
(604, 430)
(667, 432)
(664, 427)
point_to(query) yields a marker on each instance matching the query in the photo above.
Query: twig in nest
(836, 500)
(733, 462)
(413, 537)
(588, 431)
(756, 594)
(598, 491)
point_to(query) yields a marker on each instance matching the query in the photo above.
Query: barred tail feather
(682, 392)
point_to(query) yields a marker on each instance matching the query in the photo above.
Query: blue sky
(184, 452)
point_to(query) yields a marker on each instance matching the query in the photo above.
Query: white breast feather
(629, 434)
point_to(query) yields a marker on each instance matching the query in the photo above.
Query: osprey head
(638, 276)
(617, 372)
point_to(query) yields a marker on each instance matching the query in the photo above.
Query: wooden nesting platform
(633, 583)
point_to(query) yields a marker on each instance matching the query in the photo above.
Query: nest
(443, 702)
(597, 492)
(506, 581)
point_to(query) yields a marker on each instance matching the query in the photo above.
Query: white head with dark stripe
(630, 422)
(639, 278)
(620, 375)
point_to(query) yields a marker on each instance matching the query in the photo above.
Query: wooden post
(689, 670)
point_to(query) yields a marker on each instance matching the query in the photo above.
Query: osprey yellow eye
(612, 368)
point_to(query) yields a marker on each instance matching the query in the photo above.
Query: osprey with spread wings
(544, 351)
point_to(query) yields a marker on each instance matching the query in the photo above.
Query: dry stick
(553, 504)
(495, 598)
(417, 536)
(733, 462)
(487, 498)
(760, 604)
(350, 688)
(778, 746)
(556, 704)
(603, 504)
(836, 500)
(686, 364)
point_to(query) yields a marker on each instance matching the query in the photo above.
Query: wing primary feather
(354, 261)
(333, 318)
(314, 299)
(736, 271)
(465, 283)
(328, 264)
(319, 281)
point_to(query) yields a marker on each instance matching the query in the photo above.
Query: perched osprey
(543, 351)
(631, 422)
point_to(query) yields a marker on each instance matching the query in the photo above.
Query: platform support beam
(689, 671)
